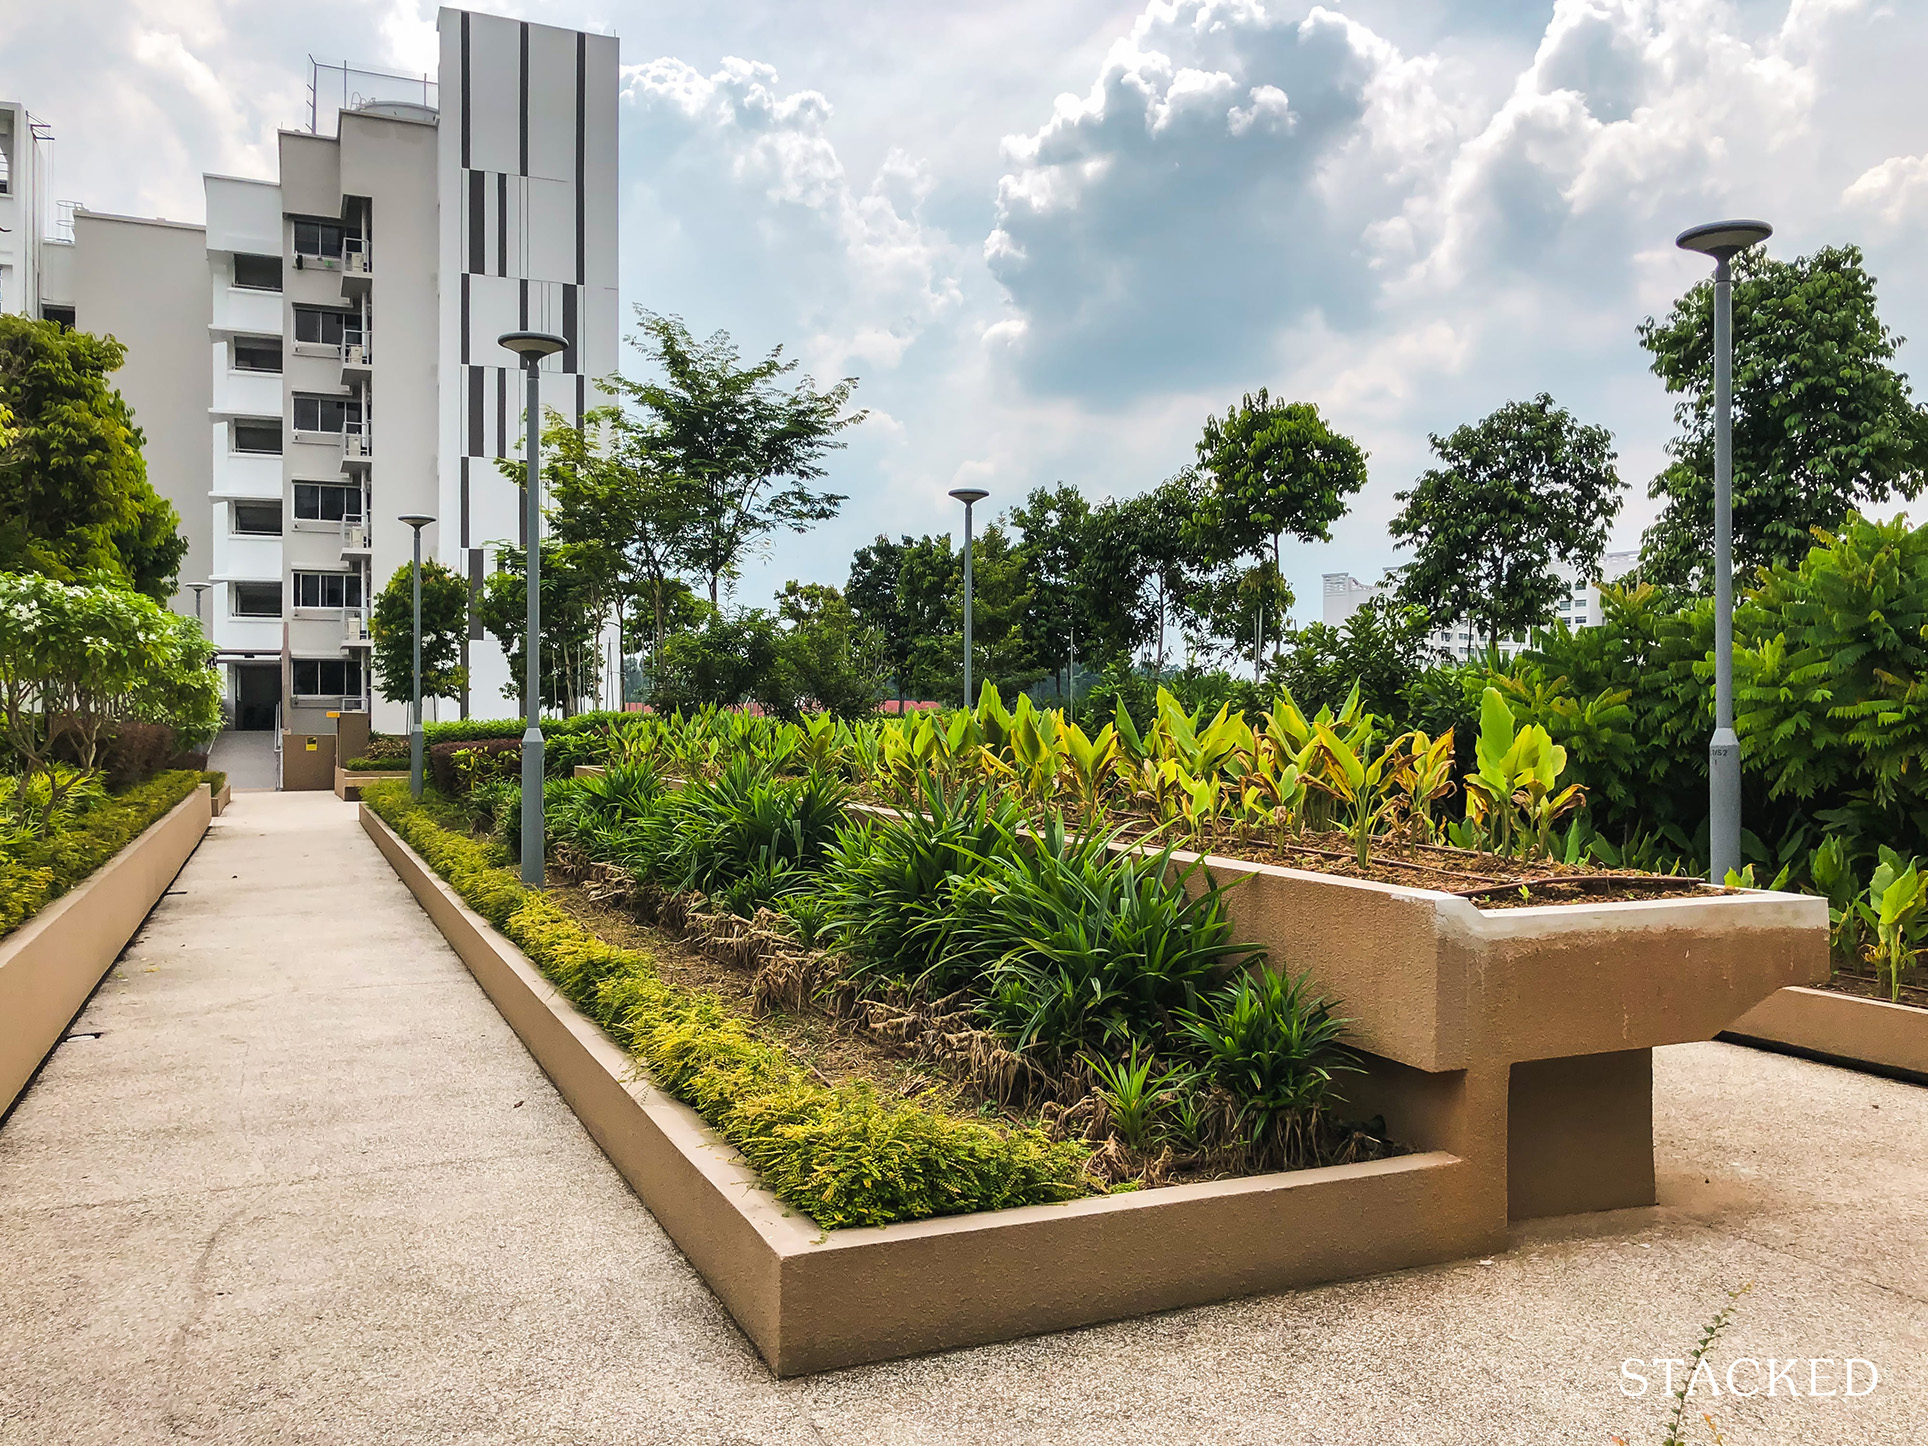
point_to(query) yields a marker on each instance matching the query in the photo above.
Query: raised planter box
(1522, 1039)
(223, 799)
(51, 963)
(348, 786)
(1870, 1034)
(812, 1300)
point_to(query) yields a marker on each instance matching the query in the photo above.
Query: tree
(871, 593)
(75, 502)
(1053, 524)
(1382, 648)
(746, 447)
(1118, 558)
(445, 623)
(1823, 423)
(1519, 490)
(930, 581)
(726, 661)
(824, 656)
(1274, 468)
(570, 621)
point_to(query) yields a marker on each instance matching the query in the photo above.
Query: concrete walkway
(246, 757)
(305, 1186)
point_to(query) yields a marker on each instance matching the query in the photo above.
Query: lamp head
(968, 495)
(1721, 239)
(415, 520)
(531, 346)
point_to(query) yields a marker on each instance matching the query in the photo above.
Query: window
(257, 273)
(61, 316)
(327, 414)
(317, 238)
(262, 437)
(322, 324)
(327, 589)
(256, 519)
(327, 502)
(327, 678)
(257, 353)
(257, 599)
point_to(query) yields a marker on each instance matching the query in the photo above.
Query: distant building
(320, 357)
(1578, 607)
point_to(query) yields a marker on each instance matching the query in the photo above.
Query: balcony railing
(354, 536)
(354, 629)
(354, 349)
(356, 443)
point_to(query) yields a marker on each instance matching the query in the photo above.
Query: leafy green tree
(75, 501)
(445, 623)
(570, 621)
(746, 447)
(729, 660)
(930, 580)
(1272, 469)
(826, 658)
(1381, 648)
(1519, 490)
(1118, 562)
(872, 596)
(1823, 423)
(1053, 524)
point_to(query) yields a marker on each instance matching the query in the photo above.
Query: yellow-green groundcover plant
(36, 870)
(838, 1153)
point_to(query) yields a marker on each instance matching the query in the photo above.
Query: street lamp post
(969, 496)
(1722, 240)
(532, 347)
(417, 521)
(197, 588)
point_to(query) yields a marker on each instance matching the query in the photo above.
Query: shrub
(459, 766)
(839, 1153)
(35, 872)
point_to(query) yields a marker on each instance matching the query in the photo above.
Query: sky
(1050, 240)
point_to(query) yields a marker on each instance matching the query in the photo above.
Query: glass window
(317, 238)
(327, 589)
(257, 437)
(260, 519)
(322, 324)
(257, 273)
(257, 353)
(327, 502)
(327, 677)
(327, 414)
(257, 599)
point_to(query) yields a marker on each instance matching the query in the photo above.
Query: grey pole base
(532, 827)
(1724, 804)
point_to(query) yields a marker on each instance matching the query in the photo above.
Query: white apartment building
(1578, 606)
(320, 356)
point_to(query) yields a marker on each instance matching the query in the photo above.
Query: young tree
(746, 447)
(445, 623)
(871, 593)
(930, 578)
(75, 501)
(1273, 469)
(825, 658)
(1519, 490)
(570, 621)
(1117, 562)
(726, 661)
(1823, 423)
(1383, 648)
(1053, 524)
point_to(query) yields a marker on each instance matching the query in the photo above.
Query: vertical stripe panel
(582, 146)
(465, 88)
(475, 412)
(502, 224)
(525, 97)
(465, 502)
(478, 223)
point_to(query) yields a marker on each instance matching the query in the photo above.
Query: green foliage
(746, 447)
(729, 660)
(1896, 909)
(1823, 423)
(1518, 491)
(840, 1154)
(572, 612)
(75, 502)
(1380, 650)
(1271, 1043)
(445, 624)
(824, 659)
(40, 864)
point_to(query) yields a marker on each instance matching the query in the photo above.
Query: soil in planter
(1914, 991)
(1492, 881)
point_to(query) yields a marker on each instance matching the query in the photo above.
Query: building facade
(1578, 606)
(320, 358)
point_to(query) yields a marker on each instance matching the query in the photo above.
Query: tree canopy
(1823, 423)
(75, 502)
(1523, 488)
(445, 622)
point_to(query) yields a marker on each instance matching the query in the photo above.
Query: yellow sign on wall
(313, 746)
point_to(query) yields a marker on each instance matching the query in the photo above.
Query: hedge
(40, 872)
(838, 1153)
(469, 730)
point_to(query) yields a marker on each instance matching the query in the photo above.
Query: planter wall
(811, 1300)
(51, 964)
(1870, 1034)
(348, 786)
(1521, 1039)
(307, 762)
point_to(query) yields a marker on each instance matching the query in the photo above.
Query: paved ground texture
(247, 758)
(306, 1186)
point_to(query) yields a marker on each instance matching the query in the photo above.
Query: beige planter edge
(50, 965)
(1872, 1034)
(812, 1300)
(348, 786)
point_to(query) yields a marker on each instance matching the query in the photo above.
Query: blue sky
(1050, 239)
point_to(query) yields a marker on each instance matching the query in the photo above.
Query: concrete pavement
(246, 757)
(305, 1186)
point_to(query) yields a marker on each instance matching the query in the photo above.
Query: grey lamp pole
(532, 347)
(197, 588)
(1722, 240)
(969, 496)
(417, 521)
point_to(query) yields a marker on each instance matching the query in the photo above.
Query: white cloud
(1894, 191)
